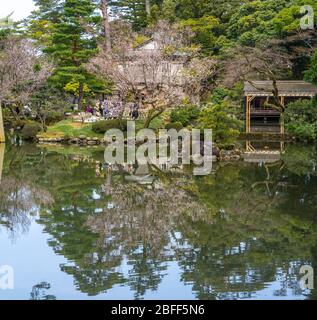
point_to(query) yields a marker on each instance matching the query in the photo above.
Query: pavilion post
(248, 115)
(249, 99)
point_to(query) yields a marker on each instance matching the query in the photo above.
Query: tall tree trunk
(80, 96)
(148, 7)
(2, 137)
(2, 146)
(106, 25)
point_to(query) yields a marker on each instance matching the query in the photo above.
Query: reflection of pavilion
(269, 152)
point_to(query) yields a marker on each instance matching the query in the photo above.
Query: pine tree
(48, 9)
(168, 10)
(41, 22)
(72, 46)
(135, 11)
(103, 4)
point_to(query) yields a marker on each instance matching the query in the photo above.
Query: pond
(73, 229)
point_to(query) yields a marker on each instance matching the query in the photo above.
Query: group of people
(112, 109)
(134, 111)
(26, 111)
(108, 109)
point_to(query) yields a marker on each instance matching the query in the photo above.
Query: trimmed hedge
(105, 125)
(54, 117)
(30, 131)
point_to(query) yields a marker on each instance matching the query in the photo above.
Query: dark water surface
(72, 230)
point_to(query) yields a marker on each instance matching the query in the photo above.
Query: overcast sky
(21, 8)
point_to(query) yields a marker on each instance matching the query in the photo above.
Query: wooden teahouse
(262, 117)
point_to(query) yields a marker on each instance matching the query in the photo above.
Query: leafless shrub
(22, 71)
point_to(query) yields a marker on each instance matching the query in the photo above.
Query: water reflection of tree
(20, 198)
(263, 231)
(140, 222)
(245, 239)
(39, 292)
(97, 238)
(228, 232)
(76, 192)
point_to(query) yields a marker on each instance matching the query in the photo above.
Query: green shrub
(301, 120)
(219, 94)
(54, 117)
(225, 126)
(30, 131)
(302, 131)
(174, 125)
(301, 111)
(185, 115)
(105, 125)
(10, 121)
(157, 123)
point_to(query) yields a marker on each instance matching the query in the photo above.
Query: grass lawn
(68, 128)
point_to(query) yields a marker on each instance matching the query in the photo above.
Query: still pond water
(73, 230)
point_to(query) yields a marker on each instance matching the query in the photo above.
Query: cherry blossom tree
(22, 71)
(160, 76)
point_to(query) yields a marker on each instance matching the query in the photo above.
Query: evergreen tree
(132, 10)
(135, 11)
(72, 46)
(41, 22)
(168, 10)
(48, 9)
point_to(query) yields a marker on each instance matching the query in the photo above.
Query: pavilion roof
(286, 88)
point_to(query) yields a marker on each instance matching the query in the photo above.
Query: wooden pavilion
(258, 95)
